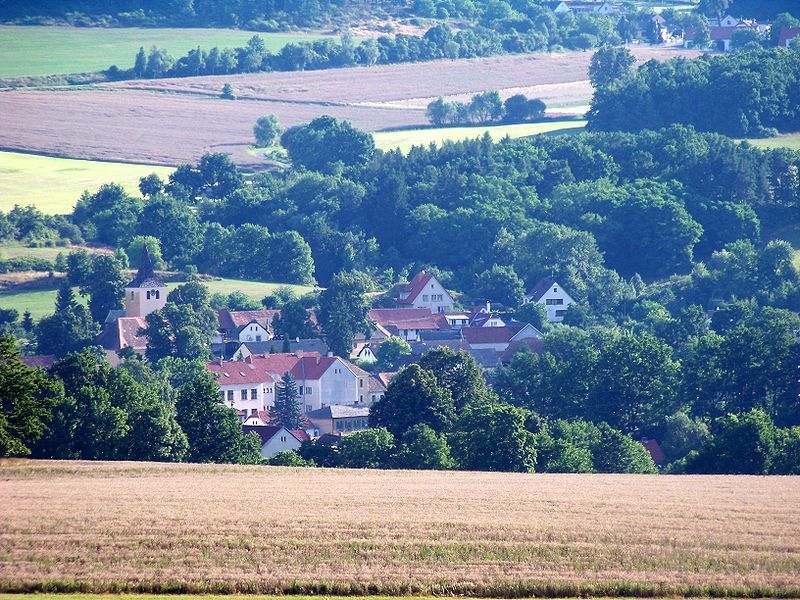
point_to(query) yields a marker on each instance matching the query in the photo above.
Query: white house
(246, 325)
(275, 439)
(424, 291)
(249, 385)
(555, 298)
(341, 420)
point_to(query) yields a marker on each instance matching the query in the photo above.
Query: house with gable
(249, 385)
(553, 296)
(407, 323)
(246, 325)
(145, 294)
(498, 338)
(275, 439)
(423, 291)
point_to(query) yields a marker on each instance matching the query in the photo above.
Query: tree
(105, 286)
(620, 453)
(609, 65)
(109, 216)
(502, 285)
(289, 458)
(458, 373)
(150, 185)
(27, 397)
(325, 141)
(286, 410)
(368, 449)
(423, 448)
(742, 443)
(266, 131)
(413, 397)
(175, 225)
(69, 329)
(294, 321)
(519, 109)
(441, 112)
(391, 351)
(183, 328)
(213, 430)
(228, 92)
(491, 436)
(140, 64)
(153, 249)
(343, 312)
(486, 107)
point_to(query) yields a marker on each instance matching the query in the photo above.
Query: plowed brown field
(169, 121)
(82, 526)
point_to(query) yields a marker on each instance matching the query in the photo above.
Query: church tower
(147, 292)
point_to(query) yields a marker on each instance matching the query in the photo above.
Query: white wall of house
(556, 301)
(493, 322)
(253, 332)
(248, 397)
(282, 441)
(434, 297)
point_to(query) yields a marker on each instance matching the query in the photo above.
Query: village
(335, 393)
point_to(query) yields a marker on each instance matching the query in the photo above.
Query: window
(158, 294)
(360, 383)
(244, 394)
(148, 295)
(223, 395)
(308, 408)
(308, 390)
(258, 338)
(561, 313)
(424, 297)
(283, 438)
(361, 398)
(554, 301)
(254, 394)
(300, 389)
(230, 396)
(253, 412)
(338, 425)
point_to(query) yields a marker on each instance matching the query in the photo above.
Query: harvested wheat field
(170, 121)
(96, 527)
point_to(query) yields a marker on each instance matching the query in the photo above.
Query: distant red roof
(491, 335)
(42, 361)
(656, 453)
(124, 332)
(408, 318)
(417, 285)
(260, 368)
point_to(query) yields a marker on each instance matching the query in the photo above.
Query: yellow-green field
(789, 140)
(54, 185)
(28, 51)
(41, 302)
(405, 139)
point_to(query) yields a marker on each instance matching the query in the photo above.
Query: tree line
(486, 107)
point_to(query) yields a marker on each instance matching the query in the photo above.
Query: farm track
(139, 527)
(172, 121)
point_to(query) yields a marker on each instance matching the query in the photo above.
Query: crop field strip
(99, 527)
(171, 121)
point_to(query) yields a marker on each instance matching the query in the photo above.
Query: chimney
(330, 354)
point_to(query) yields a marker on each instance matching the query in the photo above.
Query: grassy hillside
(41, 302)
(789, 140)
(56, 50)
(154, 527)
(54, 184)
(406, 138)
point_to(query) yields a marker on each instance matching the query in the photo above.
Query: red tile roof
(416, 286)
(43, 361)
(124, 333)
(488, 335)
(233, 320)
(260, 368)
(408, 318)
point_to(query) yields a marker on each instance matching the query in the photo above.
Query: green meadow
(54, 185)
(789, 140)
(40, 50)
(41, 302)
(405, 139)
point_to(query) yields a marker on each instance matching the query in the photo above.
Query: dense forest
(753, 92)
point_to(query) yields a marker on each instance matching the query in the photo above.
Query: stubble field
(169, 121)
(99, 527)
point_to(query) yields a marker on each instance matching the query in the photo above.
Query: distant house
(145, 294)
(424, 291)
(273, 346)
(275, 439)
(246, 325)
(786, 35)
(598, 7)
(498, 338)
(553, 297)
(407, 323)
(249, 385)
(482, 316)
(341, 420)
